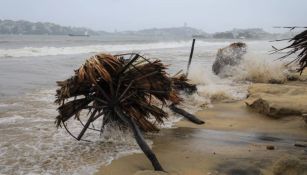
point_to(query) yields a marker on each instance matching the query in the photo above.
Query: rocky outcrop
(229, 56)
(276, 100)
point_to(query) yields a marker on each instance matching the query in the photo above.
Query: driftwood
(187, 115)
(127, 92)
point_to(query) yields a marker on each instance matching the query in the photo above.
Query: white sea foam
(213, 88)
(3, 105)
(11, 119)
(31, 144)
(258, 69)
(51, 51)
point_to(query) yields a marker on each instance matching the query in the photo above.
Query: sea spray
(258, 69)
(213, 88)
(73, 50)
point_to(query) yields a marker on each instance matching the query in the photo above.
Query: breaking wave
(212, 88)
(52, 51)
(259, 69)
(31, 144)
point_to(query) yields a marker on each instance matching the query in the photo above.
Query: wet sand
(233, 140)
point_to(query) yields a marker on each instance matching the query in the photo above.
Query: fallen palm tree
(298, 45)
(127, 92)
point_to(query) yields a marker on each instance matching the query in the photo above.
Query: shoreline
(234, 140)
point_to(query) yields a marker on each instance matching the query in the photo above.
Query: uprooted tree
(127, 92)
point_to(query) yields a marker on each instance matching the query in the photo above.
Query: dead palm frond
(181, 83)
(106, 82)
(298, 45)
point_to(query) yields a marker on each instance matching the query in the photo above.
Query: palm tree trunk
(140, 140)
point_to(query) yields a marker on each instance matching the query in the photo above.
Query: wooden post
(190, 59)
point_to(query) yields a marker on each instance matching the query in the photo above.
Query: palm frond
(108, 81)
(298, 45)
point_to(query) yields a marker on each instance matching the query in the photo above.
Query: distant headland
(21, 27)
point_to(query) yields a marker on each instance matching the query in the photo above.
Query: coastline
(234, 140)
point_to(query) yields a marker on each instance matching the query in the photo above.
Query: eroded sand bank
(235, 140)
(277, 101)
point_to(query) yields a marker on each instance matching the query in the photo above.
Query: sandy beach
(31, 143)
(254, 135)
(235, 140)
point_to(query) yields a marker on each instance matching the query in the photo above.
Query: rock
(270, 147)
(289, 166)
(276, 81)
(305, 118)
(276, 100)
(293, 77)
(264, 106)
(229, 56)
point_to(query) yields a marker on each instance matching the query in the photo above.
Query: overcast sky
(120, 15)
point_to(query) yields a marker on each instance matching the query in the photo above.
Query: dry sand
(234, 141)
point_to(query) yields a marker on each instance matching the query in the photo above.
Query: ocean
(30, 66)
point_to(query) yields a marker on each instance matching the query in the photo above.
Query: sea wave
(212, 88)
(31, 144)
(71, 50)
(259, 69)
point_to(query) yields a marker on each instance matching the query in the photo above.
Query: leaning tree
(129, 92)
